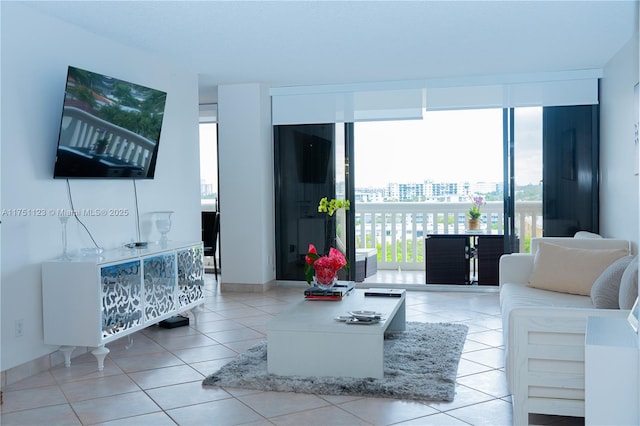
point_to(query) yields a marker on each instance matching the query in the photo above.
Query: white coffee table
(306, 340)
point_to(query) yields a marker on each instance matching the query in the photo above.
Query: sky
(446, 146)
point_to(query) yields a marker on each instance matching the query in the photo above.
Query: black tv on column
(109, 129)
(312, 154)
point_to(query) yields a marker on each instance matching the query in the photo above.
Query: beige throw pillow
(570, 270)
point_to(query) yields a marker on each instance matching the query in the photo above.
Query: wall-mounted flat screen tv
(312, 155)
(109, 129)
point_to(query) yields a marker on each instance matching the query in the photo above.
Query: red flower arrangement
(325, 267)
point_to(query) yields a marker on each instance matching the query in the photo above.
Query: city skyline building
(427, 190)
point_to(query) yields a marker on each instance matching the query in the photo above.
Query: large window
(209, 166)
(416, 177)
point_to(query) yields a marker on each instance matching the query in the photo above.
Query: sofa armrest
(545, 359)
(528, 325)
(515, 268)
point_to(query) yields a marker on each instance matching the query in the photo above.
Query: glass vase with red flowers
(323, 270)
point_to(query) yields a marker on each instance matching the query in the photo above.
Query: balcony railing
(397, 230)
(81, 129)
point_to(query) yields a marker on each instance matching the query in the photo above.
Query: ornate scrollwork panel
(159, 285)
(121, 297)
(190, 275)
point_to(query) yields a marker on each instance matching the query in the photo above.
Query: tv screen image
(110, 128)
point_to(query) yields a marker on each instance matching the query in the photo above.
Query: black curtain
(570, 200)
(304, 173)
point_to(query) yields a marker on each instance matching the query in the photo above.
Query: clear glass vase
(163, 224)
(325, 283)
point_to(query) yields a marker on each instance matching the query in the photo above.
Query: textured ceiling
(285, 43)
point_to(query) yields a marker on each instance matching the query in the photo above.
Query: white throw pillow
(606, 289)
(586, 235)
(570, 270)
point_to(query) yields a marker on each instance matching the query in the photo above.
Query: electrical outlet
(19, 326)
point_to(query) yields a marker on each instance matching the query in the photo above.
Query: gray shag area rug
(420, 363)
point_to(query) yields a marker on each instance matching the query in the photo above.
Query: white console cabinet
(611, 372)
(95, 299)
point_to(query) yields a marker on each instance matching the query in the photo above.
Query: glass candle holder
(163, 224)
(63, 221)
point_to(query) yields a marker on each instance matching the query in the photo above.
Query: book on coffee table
(384, 292)
(329, 297)
(334, 293)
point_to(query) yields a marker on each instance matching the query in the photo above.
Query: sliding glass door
(560, 198)
(417, 177)
(522, 129)
(526, 167)
(424, 186)
(344, 219)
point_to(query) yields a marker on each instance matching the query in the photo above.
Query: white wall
(618, 153)
(36, 51)
(619, 188)
(245, 157)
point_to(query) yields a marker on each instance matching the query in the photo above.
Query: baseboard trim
(36, 366)
(247, 287)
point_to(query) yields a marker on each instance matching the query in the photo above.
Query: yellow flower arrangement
(330, 207)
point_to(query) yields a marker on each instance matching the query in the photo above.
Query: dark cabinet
(489, 248)
(449, 258)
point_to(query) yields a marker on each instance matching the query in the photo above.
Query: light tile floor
(157, 380)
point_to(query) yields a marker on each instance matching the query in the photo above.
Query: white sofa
(544, 334)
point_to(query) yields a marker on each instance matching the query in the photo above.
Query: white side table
(611, 372)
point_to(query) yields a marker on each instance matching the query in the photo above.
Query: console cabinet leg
(66, 351)
(100, 353)
(196, 312)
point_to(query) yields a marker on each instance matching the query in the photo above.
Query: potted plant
(102, 143)
(330, 207)
(474, 212)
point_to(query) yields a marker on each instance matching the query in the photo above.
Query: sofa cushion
(570, 270)
(515, 296)
(629, 285)
(606, 289)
